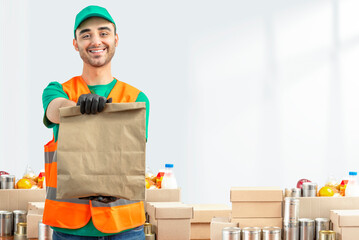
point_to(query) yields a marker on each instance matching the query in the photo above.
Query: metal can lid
(321, 220)
(306, 222)
(251, 229)
(309, 185)
(19, 212)
(5, 213)
(231, 229)
(7, 178)
(327, 232)
(271, 229)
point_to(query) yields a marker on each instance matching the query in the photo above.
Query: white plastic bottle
(169, 179)
(352, 189)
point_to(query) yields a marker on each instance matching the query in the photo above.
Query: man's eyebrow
(84, 30)
(104, 28)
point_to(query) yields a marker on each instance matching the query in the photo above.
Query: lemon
(24, 183)
(326, 192)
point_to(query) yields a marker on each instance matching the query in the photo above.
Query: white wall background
(243, 93)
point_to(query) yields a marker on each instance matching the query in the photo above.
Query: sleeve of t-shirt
(52, 91)
(143, 98)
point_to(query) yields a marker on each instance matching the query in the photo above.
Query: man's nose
(96, 40)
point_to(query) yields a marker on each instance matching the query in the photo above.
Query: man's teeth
(96, 51)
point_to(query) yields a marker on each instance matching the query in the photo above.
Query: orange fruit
(24, 184)
(326, 192)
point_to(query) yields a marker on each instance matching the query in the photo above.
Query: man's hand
(103, 199)
(92, 103)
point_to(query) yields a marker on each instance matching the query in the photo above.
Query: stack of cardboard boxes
(203, 214)
(257, 206)
(345, 224)
(170, 218)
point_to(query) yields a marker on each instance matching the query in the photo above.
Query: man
(95, 39)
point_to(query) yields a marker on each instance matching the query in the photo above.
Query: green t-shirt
(55, 90)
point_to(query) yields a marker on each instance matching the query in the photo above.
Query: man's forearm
(53, 112)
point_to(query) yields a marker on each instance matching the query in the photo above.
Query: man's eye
(85, 36)
(104, 34)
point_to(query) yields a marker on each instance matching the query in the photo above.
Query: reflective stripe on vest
(75, 213)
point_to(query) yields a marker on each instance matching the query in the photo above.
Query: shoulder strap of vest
(75, 87)
(121, 92)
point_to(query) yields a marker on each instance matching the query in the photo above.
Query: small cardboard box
(217, 225)
(18, 199)
(203, 214)
(256, 194)
(319, 207)
(258, 222)
(34, 215)
(171, 220)
(256, 209)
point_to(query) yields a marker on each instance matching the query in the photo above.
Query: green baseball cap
(92, 11)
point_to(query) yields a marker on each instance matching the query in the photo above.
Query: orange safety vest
(75, 213)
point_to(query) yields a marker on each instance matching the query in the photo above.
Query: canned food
(6, 224)
(272, 233)
(291, 209)
(231, 233)
(148, 231)
(326, 235)
(321, 224)
(309, 189)
(45, 232)
(306, 229)
(292, 192)
(21, 231)
(7, 181)
(291, 231)
(19, 216)
(251, 233)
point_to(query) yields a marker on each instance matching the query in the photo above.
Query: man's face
(96, 41)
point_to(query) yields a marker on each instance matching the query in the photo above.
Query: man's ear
(75, 45)
(116, 39)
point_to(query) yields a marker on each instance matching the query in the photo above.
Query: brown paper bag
(102, 154)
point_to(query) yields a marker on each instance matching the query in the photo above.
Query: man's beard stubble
(93, 61)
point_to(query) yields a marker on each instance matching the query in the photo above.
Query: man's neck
(97, 75)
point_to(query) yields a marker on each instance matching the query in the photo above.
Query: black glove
(92, 103)
(104, 199)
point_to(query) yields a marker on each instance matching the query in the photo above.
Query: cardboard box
(256, 209)
(170, 220)
(319, 207)
(217, 225)
(18, 199)
(345, 218)
(163, 195)
(345, 223)
(258, 222)
(256, 194)
(34, 215)
(200, 231)
(203, 214)
(346, 233)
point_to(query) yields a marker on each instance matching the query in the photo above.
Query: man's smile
(97, 51)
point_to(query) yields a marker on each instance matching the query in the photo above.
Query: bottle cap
(169, 165)
(353, 173)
